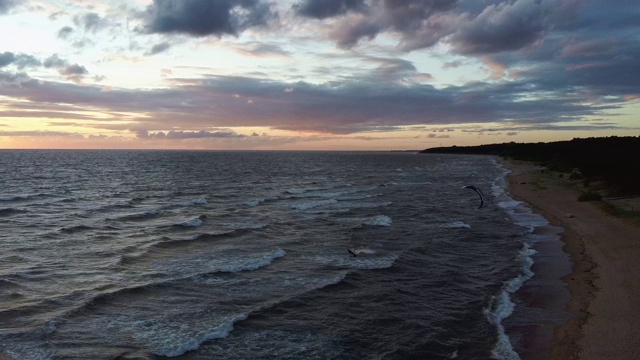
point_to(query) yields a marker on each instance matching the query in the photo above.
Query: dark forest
(613, 160)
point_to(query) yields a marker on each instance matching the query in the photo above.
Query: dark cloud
(65, 32)
(501, 27)
(74, 72)
(409, 18)
(21, 61)
(322, 9)
(158, 48)
(5, 5)
(54, 61)
(91, 22)
(338, 108)
(6, 58)
(206, 17)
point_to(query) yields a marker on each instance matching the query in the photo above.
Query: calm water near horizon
(243, 255)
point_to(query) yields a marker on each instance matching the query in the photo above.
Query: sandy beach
(605, 279)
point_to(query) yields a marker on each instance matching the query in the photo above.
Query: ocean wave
(369, 260)
(248, 225)
(362, 205)
(331, 193)
(305, 205)
(137, 216)
(166, 340)
(509, 204)
(207, 264)
(378, 220)
(76, 228)
(12, 211)
(193, 222)
(195, 202)
(355, 197)
(23, 197)
(455, 225)
(254, 202)
(167, 243)
(14, 197)
(181, 271)
(502, 307)
(298, 191)
(8, 284)
(525, 217)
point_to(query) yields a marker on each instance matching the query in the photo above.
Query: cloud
(177, 134)
(65, 32)
(438, 136)
(54, 61)
(322, 9)
(90, 22)
(504, 26)
(74, 72)
(39, 133)
(263, 49)
(419, 23)
(21, 61)
(346, 107)
(5, 5)
(158, 48)
(206, 17)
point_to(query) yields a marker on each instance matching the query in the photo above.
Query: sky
(315, 74)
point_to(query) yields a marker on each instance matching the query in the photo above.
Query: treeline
(612, 159)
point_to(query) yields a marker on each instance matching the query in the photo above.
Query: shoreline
(604, 280)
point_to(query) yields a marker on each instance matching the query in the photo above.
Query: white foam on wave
(248, 225)
(191, 223)
(312, 204)
(298, 191)
(509, 204)
(253, 263)
(229, 263)
(166, 339)
(455, 225)
(367, 259)
(254, 202)
(502, 307)
(30, 348)
(378, 220)
(12, 197)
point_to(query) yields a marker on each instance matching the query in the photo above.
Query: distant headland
(613, 160)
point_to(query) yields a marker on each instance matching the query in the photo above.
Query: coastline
(604, 280)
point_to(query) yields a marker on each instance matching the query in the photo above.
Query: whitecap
(216, 263)
(191, 223)
(370, 261)
(378, 220)
(456, 225)
(502, 307)
(253, 263)
(311, 204)
(253, 203)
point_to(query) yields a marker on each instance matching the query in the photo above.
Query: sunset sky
(316, 74)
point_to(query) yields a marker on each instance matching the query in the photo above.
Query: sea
(125, 254)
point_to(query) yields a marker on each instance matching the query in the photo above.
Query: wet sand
(604, 282)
